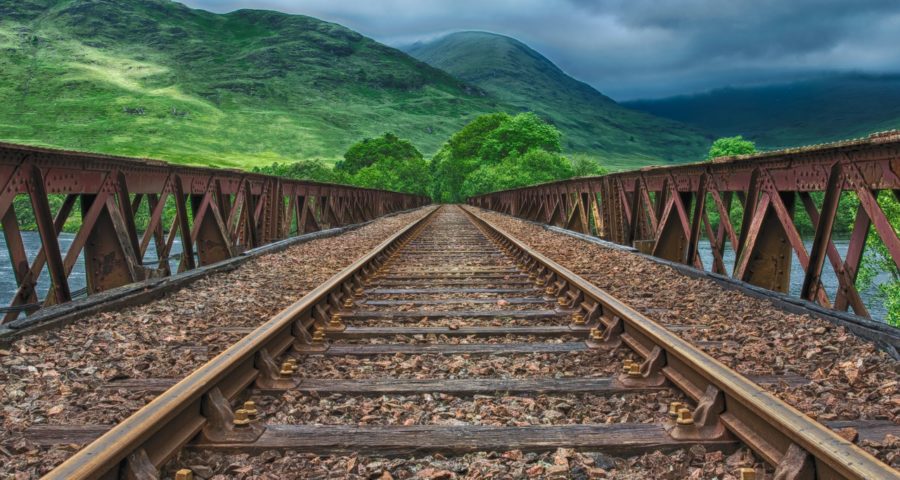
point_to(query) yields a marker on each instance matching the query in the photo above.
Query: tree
(535, 166)
(408, 176)
(731, 146)
(490, 141)
(387, 163)
(586, 166)
(372, 150)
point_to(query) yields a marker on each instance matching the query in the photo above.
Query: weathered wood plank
(441, 291)
(456, 301)
(461, 386)
(360, 315)
(357, 333)
(615, 439)
(472, 386)
(455, 349)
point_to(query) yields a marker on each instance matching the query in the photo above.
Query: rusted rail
(665, 211)
(729, 407)
(199, 404)
(798, 446)
(218, 214)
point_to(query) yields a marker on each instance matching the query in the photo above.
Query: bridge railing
(665, 211)
(215, 213)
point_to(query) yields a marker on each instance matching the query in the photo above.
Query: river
(32, 243)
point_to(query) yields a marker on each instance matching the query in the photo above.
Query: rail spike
(650, 374)
(706, 424)
(220, 425)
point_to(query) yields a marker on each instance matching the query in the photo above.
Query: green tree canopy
(586, 166)
(372, 150)
(387, 163)
(731, 146)
(502, 149)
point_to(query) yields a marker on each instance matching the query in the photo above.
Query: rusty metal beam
(766, 236)
(229, 212)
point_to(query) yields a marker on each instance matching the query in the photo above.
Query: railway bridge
(204, 323)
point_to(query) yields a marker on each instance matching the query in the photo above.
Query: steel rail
(176, 416)
(765, 423)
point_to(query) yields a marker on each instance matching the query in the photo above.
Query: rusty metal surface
(777, 432)
(173, 418)
(665, 211)
(220, 213)
(730, 407)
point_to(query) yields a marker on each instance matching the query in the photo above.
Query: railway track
(448, 315)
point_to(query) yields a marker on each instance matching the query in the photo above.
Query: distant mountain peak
(590, 121)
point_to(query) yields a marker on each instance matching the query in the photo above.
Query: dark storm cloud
(641, 48)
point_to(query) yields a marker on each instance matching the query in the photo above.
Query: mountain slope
(155, 78)
(590, 121)
(801, 113)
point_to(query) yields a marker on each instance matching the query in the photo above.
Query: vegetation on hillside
(153, 78)
(794, 114)
(591, 122)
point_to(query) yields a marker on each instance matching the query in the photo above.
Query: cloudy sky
(643, 48)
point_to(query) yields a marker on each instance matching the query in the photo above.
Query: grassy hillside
(590, 121)
(801, 113)
(155, 78)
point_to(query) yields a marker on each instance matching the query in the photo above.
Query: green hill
(591, 122)
(155, 78)
(786, 115)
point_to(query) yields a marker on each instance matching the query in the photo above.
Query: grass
(154, 78)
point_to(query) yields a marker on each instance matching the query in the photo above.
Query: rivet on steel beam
(747, 474)
(184, 474)
(674, 407)
(684, 417)
(250, 408)
(241, 419)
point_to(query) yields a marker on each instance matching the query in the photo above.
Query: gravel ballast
(850, 379)
(53, 377)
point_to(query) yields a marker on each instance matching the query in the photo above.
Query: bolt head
(634, 370)
(674, 407)
(250, 408)
(578, 318)
(685, 417)
(184, 474)
(596, 334)
(241, 418)
(747, 474)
